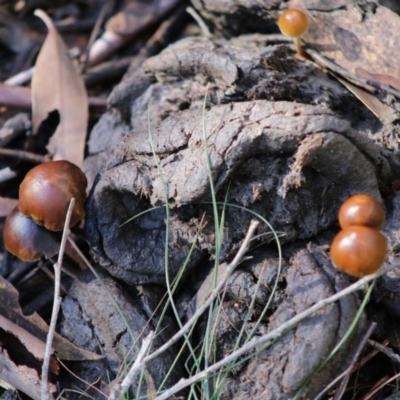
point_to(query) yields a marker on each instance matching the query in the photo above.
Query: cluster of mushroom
(360, 248)
(32, 229)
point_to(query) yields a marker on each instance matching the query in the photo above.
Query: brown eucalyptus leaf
(370, 101)
(57, 85)
(380, 78)
(367, 47)
(35, 326)
(22, 377)
(151, 387)
(28, 345)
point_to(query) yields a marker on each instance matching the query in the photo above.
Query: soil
(282, 139)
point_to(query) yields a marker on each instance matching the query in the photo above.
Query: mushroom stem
(299, 48)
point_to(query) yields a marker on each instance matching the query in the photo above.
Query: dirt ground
(199, 123)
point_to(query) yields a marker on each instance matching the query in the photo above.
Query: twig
(21, 78)
(56, 305)
(111, 41)
(385, 350)
(23, 155)
(348, 370)
(106, 9)
(20, 97)
(262, 341)
(120, 389)
(346, 374)
(370, 395)
(203, 27)
(230, 268)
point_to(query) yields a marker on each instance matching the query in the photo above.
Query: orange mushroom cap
(27, 240)
(359, 250)
(293, 22)
(46, 191)
(362, 209)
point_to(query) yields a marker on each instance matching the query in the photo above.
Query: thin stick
(120, 389)
(346, 376)
(385, 350)
(24, 156)
(262, 341)
(383, 384)
(349, 370)
(203, 27)
(214, 294)
(45, 395)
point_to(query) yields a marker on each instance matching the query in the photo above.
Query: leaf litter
(56, 84)
(24, 337)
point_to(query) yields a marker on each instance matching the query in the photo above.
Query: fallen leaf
(36, 326)
(13, 336)
(370, 101)
(380, 78)
(56, 84)
(358, 45)
(151, 387)
(22, 377)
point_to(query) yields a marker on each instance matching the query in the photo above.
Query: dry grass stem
(214, 294)
(203, 27)
(120, 389)
(56, 305)
(262, 341)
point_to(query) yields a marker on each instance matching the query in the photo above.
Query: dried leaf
(56, 84)
(359, 45)
(380, 78)
(151, 387)
(37, 327)
(370, 101)
(22, 377)
(6, 206)
(31, 343)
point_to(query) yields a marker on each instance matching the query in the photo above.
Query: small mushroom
(26, 240)
(362, 209)
(359, 250)
(46, 191)
(294, 23)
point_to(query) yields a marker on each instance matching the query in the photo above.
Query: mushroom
(359, 250)
(46, 191)
(26, 240)
(361, 209)
(294, 23)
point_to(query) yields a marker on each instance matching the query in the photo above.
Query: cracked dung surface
(283, 140)
(94, 322)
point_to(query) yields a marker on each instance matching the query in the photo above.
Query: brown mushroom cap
(293, 22)
(26, 240)
(46, 191)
